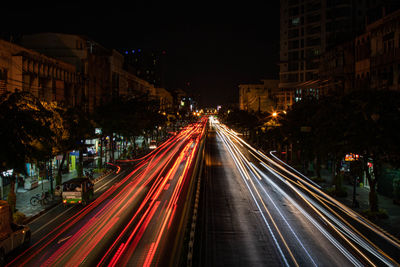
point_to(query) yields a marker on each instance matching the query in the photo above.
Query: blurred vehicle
(77, 191)
(153, 144)
(12, 235)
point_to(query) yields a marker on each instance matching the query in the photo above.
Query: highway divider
(182, 251)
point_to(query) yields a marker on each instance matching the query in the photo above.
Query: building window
(295, 21)
(294, 44)
(3, 75)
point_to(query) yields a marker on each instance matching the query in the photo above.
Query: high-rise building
(147, 64)
(308, 28)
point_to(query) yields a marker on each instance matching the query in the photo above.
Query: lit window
(296, 21)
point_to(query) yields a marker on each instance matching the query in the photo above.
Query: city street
(258, 211)
(166, 135)
(132, 217)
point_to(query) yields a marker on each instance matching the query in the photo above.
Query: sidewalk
(24, 196)
(391, 224)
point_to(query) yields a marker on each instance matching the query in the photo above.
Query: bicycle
(43, 199)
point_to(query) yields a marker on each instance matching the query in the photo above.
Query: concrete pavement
(24, 196)
(391, 224)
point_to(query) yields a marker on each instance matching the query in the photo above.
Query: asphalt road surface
(129, 221)
(256, 211)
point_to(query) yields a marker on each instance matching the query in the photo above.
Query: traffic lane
(231, 231)
(343, 230)
(43, 250)
(292, 249)
(374, 240)
(45, 223)
(97, 236)
(123, 241)
(56, 234)
(49, 220)
(52, 240)
(308, 245)
(158, 238)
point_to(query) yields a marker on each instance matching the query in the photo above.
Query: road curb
(194, 220)
(48, 208)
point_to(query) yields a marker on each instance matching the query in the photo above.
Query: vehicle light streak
(172, 170)
(150, 196)
(118, 167)
(170, 208)
(149, 217)
(167, 212)
(318, 226)
(245, 179)
(137, 194)
(280, 213)
(390, 238)
(363, 240)
(340, 227)
(245, 162)
(346, 231)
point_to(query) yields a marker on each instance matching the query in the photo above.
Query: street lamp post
(355, 202)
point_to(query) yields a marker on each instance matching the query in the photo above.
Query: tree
(372, 132)
(242, 121)
(129, 117)
(71, 127)
(299, 128)
(25, 135)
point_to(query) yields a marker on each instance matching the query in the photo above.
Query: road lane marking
(43, 226)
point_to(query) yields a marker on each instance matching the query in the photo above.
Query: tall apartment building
(147, 64)
(384, 58)
(308, 28)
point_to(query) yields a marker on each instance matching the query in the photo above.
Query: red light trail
(113, 226)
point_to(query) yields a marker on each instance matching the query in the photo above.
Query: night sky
(210, 48)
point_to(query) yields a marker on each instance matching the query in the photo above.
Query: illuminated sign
(352, 157)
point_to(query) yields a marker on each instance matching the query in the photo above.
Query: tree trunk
(59, 171)
(12, 197)
(100, 160)
(80, 163)
(337, 178)
(68, 161)
(373, 195)
(318, 167)
(112, 147)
